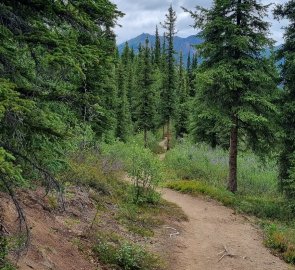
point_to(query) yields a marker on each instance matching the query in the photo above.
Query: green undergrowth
(4, 263)
(116, 252)
(281, 238)
(132, 205)
(204, 171)
(262, 207)
(189, 161)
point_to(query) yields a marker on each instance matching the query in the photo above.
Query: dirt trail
(211, 229)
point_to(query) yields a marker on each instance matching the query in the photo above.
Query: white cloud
(142, 17)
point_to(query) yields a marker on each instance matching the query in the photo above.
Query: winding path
(211, 230)
(216, 238)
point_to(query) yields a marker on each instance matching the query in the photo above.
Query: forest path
(216, 238)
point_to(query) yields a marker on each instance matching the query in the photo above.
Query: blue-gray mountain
(186, 45)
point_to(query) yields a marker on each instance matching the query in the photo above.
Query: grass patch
(262, 207)
(198, 161)
(198, 187)
(281, 238)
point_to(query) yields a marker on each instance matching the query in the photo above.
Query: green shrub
(152, 142)
(126, 256)
(143, 168)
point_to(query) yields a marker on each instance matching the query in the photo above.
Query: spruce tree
(191, 71)
(169, 88)
(147, 101)
(124, 124)
(237, 80)
(182, 101)
(157, 50)
(287, 52)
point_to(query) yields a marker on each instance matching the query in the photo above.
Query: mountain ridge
(184, 44)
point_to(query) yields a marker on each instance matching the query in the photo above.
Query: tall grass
(198, 161)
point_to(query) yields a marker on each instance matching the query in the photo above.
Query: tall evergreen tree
(147, 101)
(169, 88)
(191, 74)
(287, 51)
(237, 79)
(157, 50)
(124, 124)
(182, 101)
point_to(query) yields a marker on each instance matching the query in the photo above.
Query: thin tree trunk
(84, 115)
(168, 134)
(163, 131)
(145, 138)
(233, 157)
(233, 152)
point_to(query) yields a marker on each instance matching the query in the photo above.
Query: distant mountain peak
(184, 44)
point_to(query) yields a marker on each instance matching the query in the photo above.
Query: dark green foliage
(287, 157)
(57, 88)
(236, 81)
(55, 70)
(124, 124)
(169, 86)
(147, 97)
(157, 50)
(192, 65)
(182, 117)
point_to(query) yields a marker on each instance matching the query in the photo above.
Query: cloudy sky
(143, 15)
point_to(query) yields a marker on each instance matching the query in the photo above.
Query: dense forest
(65, 89)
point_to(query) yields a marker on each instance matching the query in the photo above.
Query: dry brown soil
(215, 238)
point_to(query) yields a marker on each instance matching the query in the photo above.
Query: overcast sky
(142, 16)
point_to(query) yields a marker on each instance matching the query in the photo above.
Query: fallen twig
(173, 234)
(225, 253)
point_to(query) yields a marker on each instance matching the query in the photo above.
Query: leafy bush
(143, 168)
(152, 142)
(126, 256)
(145, 173)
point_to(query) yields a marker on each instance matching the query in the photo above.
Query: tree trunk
(145, 138)
(233, 152)
(163, 131)
(168, 134)
(233, 157)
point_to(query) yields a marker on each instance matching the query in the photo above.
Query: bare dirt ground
(55, 238)
(211, 230)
